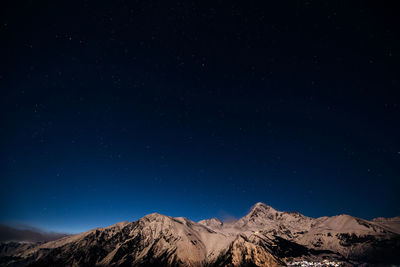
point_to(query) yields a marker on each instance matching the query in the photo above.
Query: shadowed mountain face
(264, 237)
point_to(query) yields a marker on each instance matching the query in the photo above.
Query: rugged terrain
(264, 237)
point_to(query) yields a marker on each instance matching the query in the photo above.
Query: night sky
(111, 110)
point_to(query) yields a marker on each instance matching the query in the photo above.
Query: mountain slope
(264, 237)
(393, 224)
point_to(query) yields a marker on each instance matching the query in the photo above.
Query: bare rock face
(212, 223)
(262, 216)
(264, 237)
(245, 252)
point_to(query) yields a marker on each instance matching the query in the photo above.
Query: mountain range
(264, 237)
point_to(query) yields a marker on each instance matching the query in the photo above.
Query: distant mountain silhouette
(27, 234)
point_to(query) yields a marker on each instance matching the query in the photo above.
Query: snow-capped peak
(264, 237)
(260, 209)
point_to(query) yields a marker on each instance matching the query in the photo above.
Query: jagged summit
(260, 208)
(155, 215)
(263, 237)
(262, 216)
(260, 204)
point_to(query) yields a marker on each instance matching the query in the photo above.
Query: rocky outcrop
(264, 237)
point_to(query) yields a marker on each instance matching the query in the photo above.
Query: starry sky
(115, 109)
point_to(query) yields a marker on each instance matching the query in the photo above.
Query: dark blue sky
(111, 111)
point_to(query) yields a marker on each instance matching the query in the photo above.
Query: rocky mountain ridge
(264, 237)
